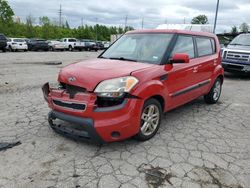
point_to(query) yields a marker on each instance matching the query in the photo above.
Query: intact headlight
(116, 87)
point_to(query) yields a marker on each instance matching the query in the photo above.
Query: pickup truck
(236, 56)
(69, 43)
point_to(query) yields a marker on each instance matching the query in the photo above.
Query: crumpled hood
(89, 73)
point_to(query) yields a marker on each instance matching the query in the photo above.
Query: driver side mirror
(180, 58)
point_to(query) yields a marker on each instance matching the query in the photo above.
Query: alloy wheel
(150, 119)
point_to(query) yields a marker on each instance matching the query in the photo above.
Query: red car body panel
(91, 72)
(175, 84)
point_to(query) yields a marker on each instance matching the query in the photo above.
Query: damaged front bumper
(87, 120)
(81, 128)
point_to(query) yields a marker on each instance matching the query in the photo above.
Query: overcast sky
(154, 12)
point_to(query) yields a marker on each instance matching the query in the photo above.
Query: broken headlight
(115, 88)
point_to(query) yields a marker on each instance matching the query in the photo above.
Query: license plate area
(70, 105)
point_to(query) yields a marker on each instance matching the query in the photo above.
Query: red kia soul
(125, 91)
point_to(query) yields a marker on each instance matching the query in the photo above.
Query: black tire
(70, 48)
(51, 48)
(10, 49)
(4, 49)
(214, 94)
(151, 102)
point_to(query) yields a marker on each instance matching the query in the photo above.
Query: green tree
(244, 27)
(6, 13)
(234, 30)
(201, 19)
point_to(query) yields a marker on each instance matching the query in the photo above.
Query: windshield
(149, 48)
(243, 40)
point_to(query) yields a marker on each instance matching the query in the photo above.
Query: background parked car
(91, 46)
(236, 56)
(80, 45)
(15, 44)
(100, 45)
(56, 45)
(69, 43)
(38, 44)
(106, 44)
(3, 42)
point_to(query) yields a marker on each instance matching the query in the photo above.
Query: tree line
(49, 30)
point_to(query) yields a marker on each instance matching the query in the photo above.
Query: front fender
(150, 89)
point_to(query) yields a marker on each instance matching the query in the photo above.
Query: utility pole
(82, 22)
(216, 14)
(60, 16)
(166, 21)
(184, 20)
(126, 22)
(142, 23)
(96, 33)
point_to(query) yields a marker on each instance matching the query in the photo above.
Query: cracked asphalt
(198, 145)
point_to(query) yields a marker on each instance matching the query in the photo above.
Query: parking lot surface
(198, 145)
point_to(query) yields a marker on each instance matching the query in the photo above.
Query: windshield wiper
(123, 59)
(238, 44)
(102, 57)
(235, 44)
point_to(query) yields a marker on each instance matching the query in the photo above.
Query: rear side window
(72, 40)
(185, 45)
(204, 46)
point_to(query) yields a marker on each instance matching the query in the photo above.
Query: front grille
(237, 56)
(72, 90)
(70, 105)
(235, 67)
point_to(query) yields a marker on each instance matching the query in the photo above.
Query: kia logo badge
(72, 79)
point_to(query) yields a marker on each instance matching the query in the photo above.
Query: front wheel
(70, 48)
(214, 94)
(150, 120)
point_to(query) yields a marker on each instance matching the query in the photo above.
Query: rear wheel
(150, 120)
(10, 49)
(214, 94)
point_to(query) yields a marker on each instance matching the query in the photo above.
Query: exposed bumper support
(82, 130)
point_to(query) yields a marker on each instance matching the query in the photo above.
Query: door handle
(195, 69)
(215, 62)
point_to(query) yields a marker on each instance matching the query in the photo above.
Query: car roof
(174, 31)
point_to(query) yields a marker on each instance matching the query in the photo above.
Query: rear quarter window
(205, 46)
(72, 40)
